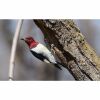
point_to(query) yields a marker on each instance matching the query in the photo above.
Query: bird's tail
(56, 65)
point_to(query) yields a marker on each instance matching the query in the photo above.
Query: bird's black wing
(39, 56)
(42, 58)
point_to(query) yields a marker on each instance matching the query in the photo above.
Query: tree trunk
(71, 48)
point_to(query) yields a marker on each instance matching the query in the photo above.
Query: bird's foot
(52, 48)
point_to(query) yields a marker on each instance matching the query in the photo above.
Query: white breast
(41, 49)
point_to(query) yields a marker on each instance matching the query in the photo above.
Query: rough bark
(71, 48)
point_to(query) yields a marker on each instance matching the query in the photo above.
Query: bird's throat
(33, 45)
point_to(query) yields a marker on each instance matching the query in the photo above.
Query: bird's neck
(33, 45)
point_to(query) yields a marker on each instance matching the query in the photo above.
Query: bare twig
(13, 51)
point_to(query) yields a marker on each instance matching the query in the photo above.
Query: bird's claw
(52, 48)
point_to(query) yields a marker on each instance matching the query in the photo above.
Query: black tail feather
(61, 64)
(56, 65)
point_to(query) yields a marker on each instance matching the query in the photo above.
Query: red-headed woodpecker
(41, 52)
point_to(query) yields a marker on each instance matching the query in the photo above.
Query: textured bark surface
(71, 48)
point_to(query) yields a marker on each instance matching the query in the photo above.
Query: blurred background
(27, 67)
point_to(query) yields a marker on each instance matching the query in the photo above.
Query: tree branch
(13, 51)
(71, 48)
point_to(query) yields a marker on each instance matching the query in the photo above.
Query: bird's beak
(22, 39)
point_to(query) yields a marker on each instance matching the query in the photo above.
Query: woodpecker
(41, 52)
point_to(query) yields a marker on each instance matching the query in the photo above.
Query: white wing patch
(41, 49)
(45, 60)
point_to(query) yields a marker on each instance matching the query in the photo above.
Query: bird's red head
(31, 42)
